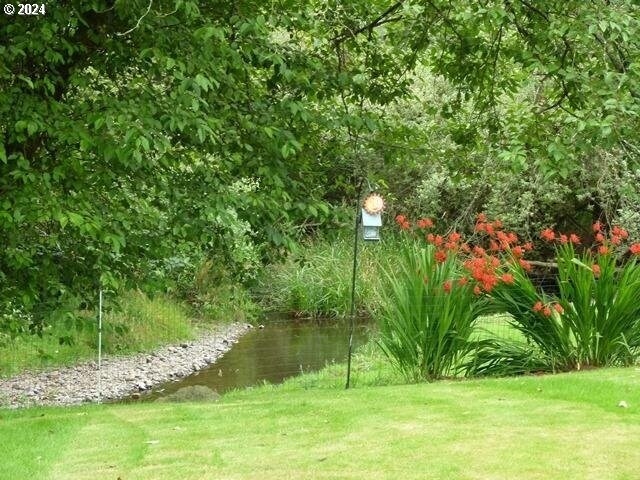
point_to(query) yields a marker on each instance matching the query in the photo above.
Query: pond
(282, 349)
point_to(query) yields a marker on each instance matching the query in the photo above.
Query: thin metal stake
(353, 292)
(100, 345)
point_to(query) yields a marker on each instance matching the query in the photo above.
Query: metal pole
(100, 344)
(353, 290)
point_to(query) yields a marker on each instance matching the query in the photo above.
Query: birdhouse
(372, 209)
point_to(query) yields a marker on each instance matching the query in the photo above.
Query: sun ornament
(373, 204)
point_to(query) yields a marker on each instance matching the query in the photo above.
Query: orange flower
(463, 281)
(440, 256)
(546, 311)
(497, 224)
(597, 226)
(476, 290)
(517, 251)
(558, 308)
(401, 219)
(478, 251)
(603, 249)
(635, 249)
(489, 229)
(507, 278)
(596, 270)
(454, 237)
(438, 240)
(548, 234)
(431, 238)
(599, 238)
(405, 225)
(446, 286)
(620, 232)
(482, 217)
(424, 223)
(538, 306)
(575, 239)
(528, 246)
(616, 239)
(564, 239)
(524, 264)
(481, 227)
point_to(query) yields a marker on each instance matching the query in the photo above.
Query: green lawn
(549, 427)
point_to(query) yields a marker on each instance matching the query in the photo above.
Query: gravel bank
(120, 376)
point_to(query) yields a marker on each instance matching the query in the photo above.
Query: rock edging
(119, 376)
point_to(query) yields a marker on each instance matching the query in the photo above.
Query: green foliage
(316, 281)
(427, 317)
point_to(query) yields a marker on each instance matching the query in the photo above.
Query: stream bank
(119, 376)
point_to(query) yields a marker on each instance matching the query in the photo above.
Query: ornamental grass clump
(430, 303)
(593, 321)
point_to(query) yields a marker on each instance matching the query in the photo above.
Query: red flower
(518, 251)
(603, 249)
(463, 281)
(481, 227)
(431, 238)
(596, 270)
(597, 226)
(599, 238)
(440, 256)
(476, 290)
(616, 239)
(489, 229)
(493, 245)
(497, 224)
(424, 223)
(401, 219)
(528, 246)
(437, 241)
(575, 239)
(451, 246)
(548, 234)
(478, 251)
(620, 232)
(507, 278)
(538, 306)
(454, 237)
(465, 248)
(546, 311)
(558, 308)
(564, 239)
(482, 217)
(405, 225)
(446, 286)
(635, 249)
(524, 264)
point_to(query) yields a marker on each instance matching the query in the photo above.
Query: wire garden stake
(353, 293)
(100, 344)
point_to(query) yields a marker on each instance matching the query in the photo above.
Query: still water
(271, 354)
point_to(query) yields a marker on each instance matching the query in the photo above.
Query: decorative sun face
(373, 204)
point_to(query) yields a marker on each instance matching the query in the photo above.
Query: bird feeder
(372, 208)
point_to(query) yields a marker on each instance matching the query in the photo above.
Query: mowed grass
(565, 426)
